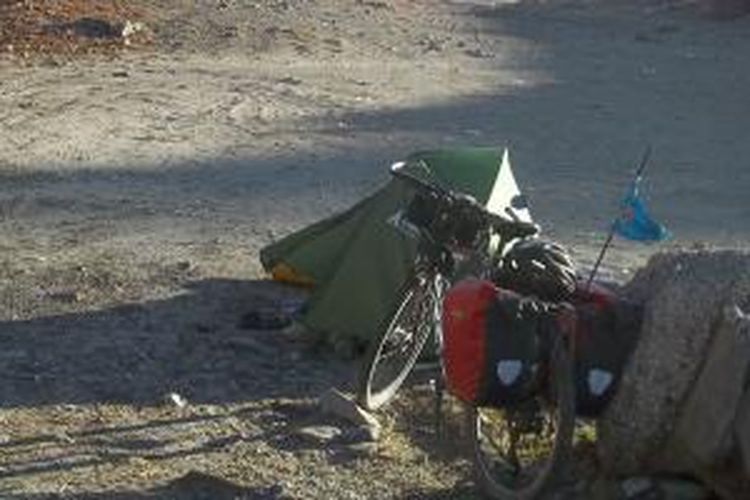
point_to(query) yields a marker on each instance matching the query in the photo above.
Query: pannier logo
(508, 371)
(599, 381)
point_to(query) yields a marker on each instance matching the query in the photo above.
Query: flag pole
(611, 235)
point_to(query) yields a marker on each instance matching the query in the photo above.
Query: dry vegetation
(32, 28)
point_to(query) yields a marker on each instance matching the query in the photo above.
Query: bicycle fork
(438, 383)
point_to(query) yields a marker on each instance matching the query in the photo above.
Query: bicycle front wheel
(518, 453)
(391, 356)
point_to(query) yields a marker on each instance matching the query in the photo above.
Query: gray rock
(635, 487)
(176, 399)
(742, 430)
(130, 28)
(338, 404)
(703, 433)
(684, 296)
(320, 434)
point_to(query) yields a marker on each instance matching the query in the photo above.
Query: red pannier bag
(491, 350)
(493, 353)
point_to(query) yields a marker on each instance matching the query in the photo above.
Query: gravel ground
(137, 186)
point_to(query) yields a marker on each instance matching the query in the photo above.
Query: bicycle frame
(453, 234)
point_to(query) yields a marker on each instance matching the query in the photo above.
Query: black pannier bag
(606, 331)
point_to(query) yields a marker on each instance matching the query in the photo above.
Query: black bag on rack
(606, 332)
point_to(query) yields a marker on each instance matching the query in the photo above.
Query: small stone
(131, 28)
(338, 404)
(477, 53)
(177, 400)
(364, 448)
(66, 296)
(319, 433)
(290, 80)
(65, 437)
(636, 486)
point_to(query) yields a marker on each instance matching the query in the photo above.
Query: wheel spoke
(393, 354)
(519, 452)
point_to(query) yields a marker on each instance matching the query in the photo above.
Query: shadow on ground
(587, 100)
(192, 344)
(199, 486)
(191, 486)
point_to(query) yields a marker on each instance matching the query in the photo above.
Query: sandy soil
(135, 192)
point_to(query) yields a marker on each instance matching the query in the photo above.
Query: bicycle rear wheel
(391, 356)
(518, 453)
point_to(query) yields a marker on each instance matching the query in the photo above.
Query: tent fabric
(484, 173)
(358, 261)
(286, 274)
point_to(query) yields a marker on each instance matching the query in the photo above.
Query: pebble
(364, 449)
(338, 404)
(322, 434)
(636, 486)
(177, 400)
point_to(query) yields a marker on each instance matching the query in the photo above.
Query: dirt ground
(136, 189)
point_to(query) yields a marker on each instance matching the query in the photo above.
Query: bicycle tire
(488, 475)
(407, 330)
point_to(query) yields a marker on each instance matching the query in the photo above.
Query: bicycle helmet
(537, 267)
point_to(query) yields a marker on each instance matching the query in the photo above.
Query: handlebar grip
(515, 229)
(439, 190)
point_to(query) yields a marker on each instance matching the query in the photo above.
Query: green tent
(357, 261)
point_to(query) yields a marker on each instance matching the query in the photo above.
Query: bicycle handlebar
(511, 227)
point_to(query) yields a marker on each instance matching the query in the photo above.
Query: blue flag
(634, 222)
